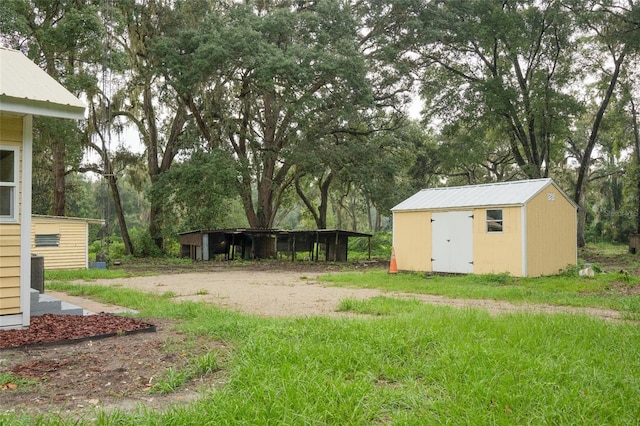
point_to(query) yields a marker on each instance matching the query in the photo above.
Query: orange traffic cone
(393, 266)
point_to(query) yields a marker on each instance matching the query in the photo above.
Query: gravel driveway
(295, 293)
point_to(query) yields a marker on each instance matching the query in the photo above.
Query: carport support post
(293, 248)
(233, 247)
(205, 246)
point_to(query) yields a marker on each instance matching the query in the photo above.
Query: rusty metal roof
(495, 194)
(27, 89)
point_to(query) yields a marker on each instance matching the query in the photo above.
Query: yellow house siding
(71, 252)
(551, 233)
(412, 240)
(11, 129)
(10, 305)
(11, 135)
(497, 252)
(9, 268)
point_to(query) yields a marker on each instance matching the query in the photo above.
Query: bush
(380, 246)
(172, 247)
(94, 248)
(143, 244)
(116, 249)
(107, 249)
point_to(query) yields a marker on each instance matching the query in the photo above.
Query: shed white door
(452, 242)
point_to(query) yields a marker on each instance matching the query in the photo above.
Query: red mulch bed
(51, 328)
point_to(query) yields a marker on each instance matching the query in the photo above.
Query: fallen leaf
(8, 386)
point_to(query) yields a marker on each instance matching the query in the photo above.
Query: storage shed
(524, 228)
(25, 91)
(62, 241)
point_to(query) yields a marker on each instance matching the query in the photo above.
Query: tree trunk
(247, 201)
(636, 140)
(337, 210)
(324, 201)
(59, 201)
(593, 137)
(108, 174)
(319, 214)
(124, 231)
(265, 209)
(582, 219)
(155, 227)
(308, 204)
(353, 212)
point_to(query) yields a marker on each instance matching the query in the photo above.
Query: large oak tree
(259, 75)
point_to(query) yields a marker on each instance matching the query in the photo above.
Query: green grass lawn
(83, 274)
(619, 291)
(399, 362)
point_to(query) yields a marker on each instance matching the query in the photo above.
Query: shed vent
(47, 240)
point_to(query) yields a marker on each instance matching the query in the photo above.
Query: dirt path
(292, 293)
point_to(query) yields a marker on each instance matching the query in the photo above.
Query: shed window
(494, 220)
(8, 183)
(47, 240)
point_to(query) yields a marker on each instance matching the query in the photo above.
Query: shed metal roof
(48, 218)
(26, 89)
(495, 194)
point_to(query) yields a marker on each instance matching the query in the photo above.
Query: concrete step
(43, 304)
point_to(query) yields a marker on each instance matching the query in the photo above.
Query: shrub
(116, 249)
(143, 244)
(172, 247)
(380, 246)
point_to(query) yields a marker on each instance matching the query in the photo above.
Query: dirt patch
(624, 288)
(613, 260)
(116, 372)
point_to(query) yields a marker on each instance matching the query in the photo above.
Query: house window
(494, 220)
(8, 184)
(47, 240)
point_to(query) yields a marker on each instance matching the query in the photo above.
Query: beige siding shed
(524, 228)
(62, 241)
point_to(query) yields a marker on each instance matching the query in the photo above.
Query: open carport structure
(268, 243)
